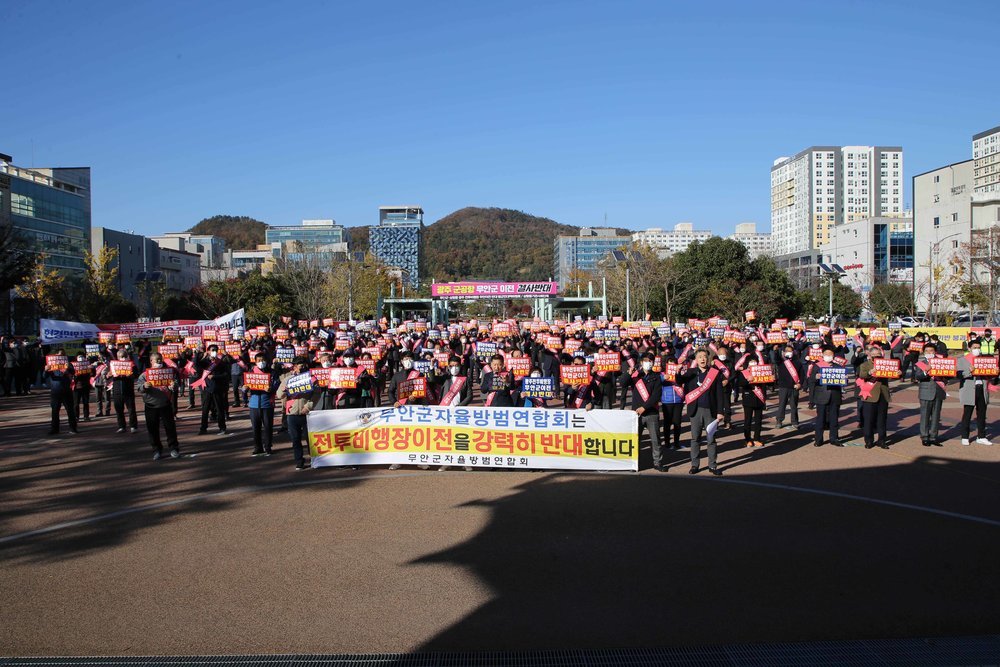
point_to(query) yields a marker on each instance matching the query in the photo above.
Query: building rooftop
(986, 133)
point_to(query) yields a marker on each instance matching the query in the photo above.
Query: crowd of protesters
(707, 371)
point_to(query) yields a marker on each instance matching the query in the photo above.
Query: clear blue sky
(653, 112)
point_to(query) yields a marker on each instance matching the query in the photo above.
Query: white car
(913, 322)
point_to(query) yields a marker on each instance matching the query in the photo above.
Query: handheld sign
(833, 376)
(441, 359)
(57, 362)
(284, 355)
(299, 385)
(761, 374)
(320, 376)
(92, 350)
(915, 346)
(192, 342)
(121, 369)
(878, 336)
(539, 388)
(123, 339)
(553, 342)
(519, 366)
(886, 368)
(485, 351)
(169, 350)
(415, 388)
(608, 362)
(812, 336)
(839, 340)
(161, 378)
(256, 381)
(942, 368)
(985, 366)
(232, 349)
(670, 372)
(574, 375)
(776, 337)
(422, 366)
(343, 378)
(81, 367)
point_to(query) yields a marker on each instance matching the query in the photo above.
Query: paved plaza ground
(105, 552)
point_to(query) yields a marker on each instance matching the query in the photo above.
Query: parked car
(913, 321)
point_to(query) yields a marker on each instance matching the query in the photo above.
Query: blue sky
(652, 113)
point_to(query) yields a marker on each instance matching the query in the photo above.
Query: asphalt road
(105, 552)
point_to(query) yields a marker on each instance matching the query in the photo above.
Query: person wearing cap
(931, 393)
(973, 394)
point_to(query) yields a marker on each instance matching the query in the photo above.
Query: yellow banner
(953, 337)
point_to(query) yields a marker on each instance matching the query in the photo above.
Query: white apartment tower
(986, 161)
(756, 243)
(825, 185)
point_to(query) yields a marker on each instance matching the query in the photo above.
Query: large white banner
(55, 331)
(480, 437)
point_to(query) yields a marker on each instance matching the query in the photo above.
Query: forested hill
(239, 231)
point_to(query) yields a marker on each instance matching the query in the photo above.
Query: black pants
(154, 416)
(123, 402)
(262, 420)
(236, 394)
(21, 380)
(980, 408)
(297, 431)
(63, 399)
(875, 415)
(214, 400)
(103, 399)
(788, 399)
(672, 416)
(828, 416)
(753, 416)
(81, 399)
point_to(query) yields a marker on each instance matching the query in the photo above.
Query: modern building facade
(210, 249)
(181, 270)
(986, 157)
(822, 186)
(319, 241)
(138, 258)
(670, 242)
(756, 243)
(51, 208)
(583, 251)
(398, 240)
(873, 251)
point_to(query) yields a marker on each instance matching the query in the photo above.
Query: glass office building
(398, 240)
(585, 251)
(314, 240)
(51, 208)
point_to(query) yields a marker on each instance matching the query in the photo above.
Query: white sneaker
(965, 441)
(983, 441)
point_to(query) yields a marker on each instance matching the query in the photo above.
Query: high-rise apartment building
(398, 240)
(986, 159)
(673, 241)
(825, 185)
(583, 251)
(756, 243)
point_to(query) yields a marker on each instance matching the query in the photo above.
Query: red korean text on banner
(57, 362)
(886, 368)
(761, 374)
(985, 366)
(609, 362)
(256, 381)
(943, 367)
(343, 378)
(574, 375)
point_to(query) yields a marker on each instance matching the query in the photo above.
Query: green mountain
(239, 231)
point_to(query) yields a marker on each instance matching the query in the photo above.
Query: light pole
(831, 271)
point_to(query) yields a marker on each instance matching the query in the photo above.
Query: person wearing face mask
(215, 378)
(973, 394)
(727, 366)
(647, 387)
(406, 372)
(296, 408)
(497, 384)
(931, 393)
(875, 400)
(672, 406)
(123, 395)
(157, 402)
(61, 394)
(83, 371)
(754, 402)
(986, 343)
(454, 386)
(789, 383)
(579, 396)
(828, 400)
(703, 397)
(261, 405)
(351, 398)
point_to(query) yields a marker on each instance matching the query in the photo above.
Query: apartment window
(937, 179)
(954, 217)
(937, 222)
(954, 244)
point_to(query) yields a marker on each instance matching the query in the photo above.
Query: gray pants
(699, 424)
(788, 397)
(930, 419)
(651, 422)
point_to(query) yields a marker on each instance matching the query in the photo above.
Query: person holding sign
(497, 384)
(60, 376)
(931, 393)
(82, 372)
(827, 380)
(754, 381)
(123, 374)
(157, 384)
(298, 395)
(454, 388)
(789, 385)
(261, 382)
(580, 393)
(215, 378)
(647, 387)
(703, 397)
(672, 402)
(873, 387)
(974, 387)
